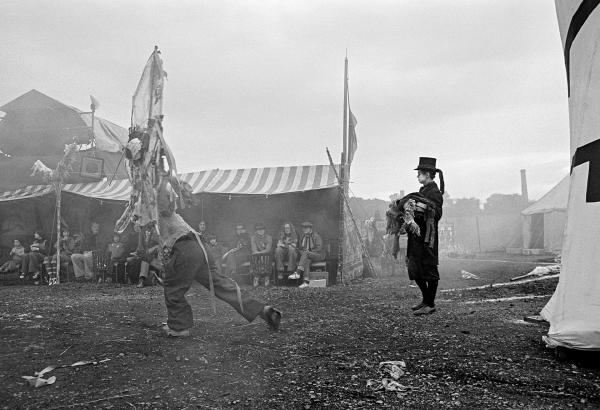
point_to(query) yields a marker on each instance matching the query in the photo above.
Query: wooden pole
(341, 227)
(478, 234)
(345, 127)
(342, 176)
(93, 135)
(58, 186)
(346, 203)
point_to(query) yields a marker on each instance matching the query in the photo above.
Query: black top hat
(427, 164)
(307, 224)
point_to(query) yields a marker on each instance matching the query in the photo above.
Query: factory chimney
(524, 193)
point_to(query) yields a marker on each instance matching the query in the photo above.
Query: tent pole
(58, 187)
(341, 227)
(93, 135)
(345, 126)
(346, 202)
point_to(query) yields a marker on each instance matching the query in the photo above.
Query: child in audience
(16, 256)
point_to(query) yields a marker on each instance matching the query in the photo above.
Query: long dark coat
(422, 260)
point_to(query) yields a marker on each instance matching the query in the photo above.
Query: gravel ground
(473, 353)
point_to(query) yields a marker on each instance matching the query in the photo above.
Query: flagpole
(345, 128)
(342, 176)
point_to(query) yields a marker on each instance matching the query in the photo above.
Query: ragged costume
(155, 196)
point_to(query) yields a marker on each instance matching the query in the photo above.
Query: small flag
(148, 97)
(352, 143)
(95, 103)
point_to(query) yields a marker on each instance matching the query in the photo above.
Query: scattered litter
(500, 285)
(517, 322)
(539, 271)
(43, 372)
(395, 369)
(386, 384)
(550, 343)
(37, 381)
(468, 275)
(507, 299)
(64, 351)
(537, 319)
(390, 371)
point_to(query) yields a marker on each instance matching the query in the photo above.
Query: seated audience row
(293, 255)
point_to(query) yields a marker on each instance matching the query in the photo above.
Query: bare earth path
(467, 355)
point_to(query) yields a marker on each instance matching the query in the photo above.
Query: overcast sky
(478, 84)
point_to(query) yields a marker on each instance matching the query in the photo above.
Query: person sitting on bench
(16, 256)
(311, 250)
(203, 233)
(216, 251)
(239, 255)
(83, 261)
(261, 243)
(287, 249)
(32, 261)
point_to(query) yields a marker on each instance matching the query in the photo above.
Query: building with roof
(544, 221)
(35, 127)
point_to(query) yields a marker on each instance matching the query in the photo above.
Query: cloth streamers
(150, 162)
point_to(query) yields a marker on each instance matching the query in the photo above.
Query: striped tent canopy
(250, 181)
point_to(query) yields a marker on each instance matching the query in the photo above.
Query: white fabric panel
(574, 309)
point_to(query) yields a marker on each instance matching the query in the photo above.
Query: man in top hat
(311, 250)
(422, 249)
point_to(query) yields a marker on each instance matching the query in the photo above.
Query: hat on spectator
(259, 226)
(307, 224)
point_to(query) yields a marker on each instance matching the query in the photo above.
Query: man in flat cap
(311, 250)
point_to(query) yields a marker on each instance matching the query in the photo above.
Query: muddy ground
(472, 353)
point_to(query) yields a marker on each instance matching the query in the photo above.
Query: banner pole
(346, 204)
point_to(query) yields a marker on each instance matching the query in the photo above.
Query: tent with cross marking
(574, 311)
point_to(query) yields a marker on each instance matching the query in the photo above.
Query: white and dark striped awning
(26, 192)
(250, 181)
(261, 181)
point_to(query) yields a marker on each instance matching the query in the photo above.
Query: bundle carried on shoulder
(401, 216)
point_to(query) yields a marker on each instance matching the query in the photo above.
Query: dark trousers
(187, 264)
(428, 290)
(32, 262)
(306, 258)
(235, 259)
(289, 254)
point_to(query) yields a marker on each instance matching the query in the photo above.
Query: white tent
(544, 221)
(574, 309)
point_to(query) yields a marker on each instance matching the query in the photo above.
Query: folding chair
(261, 266)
